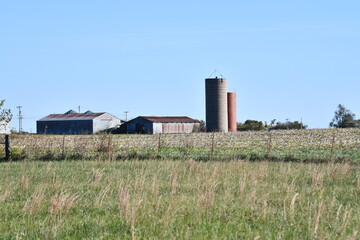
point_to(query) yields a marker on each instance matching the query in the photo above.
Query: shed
(156, 125)
(72, 122)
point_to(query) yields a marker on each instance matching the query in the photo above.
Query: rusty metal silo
(231, 98)
(216, 104)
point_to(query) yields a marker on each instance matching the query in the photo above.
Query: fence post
(63, 147)
(7, 148)
(332, 148)
(212, 146)
(159, 144)
(109, 148)
(269, 146)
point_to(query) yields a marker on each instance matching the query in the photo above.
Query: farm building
(4, 127)
(76, 123)
(156, 125)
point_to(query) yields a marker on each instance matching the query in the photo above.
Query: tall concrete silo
(231, 98)
(216, 104)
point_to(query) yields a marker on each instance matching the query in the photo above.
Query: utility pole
(20, 118)
(126, 115)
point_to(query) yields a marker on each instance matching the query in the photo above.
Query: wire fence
(284, 145)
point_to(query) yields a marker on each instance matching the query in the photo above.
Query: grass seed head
(4, 195)
(124, 201)
(25, 182)
(292, 204)
(100, 198)
(32, 205)
(96, 176)
(62, 203)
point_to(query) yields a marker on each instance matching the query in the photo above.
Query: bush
(289, 125)
(250, 125)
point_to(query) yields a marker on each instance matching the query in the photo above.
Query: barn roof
(72, 115)
(180, 119)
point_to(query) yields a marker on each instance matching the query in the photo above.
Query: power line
(126, 115)
(20, 118)
(216, 72)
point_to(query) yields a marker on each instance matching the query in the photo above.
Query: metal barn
(157, 125)
(76, 123)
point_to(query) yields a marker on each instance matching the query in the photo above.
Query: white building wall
(157, 128)
(105, 121)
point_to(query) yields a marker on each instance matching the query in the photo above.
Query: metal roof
(71, 112)
(71, 116)
(180, 119)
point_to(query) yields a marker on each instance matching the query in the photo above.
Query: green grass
(166, 199)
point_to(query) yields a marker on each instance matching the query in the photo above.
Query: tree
(5, 114)
(289, 125)
(269, 126)
(343, 118)
(357, 123)
(250, 125)
(201, 127)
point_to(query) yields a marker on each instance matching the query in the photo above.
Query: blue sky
(285, 59)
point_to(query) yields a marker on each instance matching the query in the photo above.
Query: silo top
(214, 79)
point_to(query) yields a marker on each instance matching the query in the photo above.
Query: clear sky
(285, 59)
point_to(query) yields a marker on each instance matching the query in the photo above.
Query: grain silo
(216, 104)
(231, 98)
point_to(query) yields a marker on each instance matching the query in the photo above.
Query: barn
(157, 125)
(72, 122)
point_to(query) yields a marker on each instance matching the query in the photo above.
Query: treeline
(343, 118)
(253, 125)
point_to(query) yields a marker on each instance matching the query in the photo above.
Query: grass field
(162, 199)
(250, 185)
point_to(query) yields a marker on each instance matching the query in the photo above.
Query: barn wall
(139, 125)
(104, 122)
(178, 127)
(65, 127)
(142, 125)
